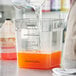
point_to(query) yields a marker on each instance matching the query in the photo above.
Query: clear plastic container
(39, 47)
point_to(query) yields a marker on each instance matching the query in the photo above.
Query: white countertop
(9, 68)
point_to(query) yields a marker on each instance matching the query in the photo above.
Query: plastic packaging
(7, 41)
(65, 5)
(55, 5)
(39, 47)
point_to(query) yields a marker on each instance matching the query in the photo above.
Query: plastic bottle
(55, 5)
(65, 5)
(7, 41)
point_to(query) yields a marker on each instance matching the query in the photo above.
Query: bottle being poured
(35, 4)
(28, 3)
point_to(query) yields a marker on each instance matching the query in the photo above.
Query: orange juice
(39, 60)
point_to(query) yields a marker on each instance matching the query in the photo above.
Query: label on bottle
(29, 38)
(29, 32)
(7, 45)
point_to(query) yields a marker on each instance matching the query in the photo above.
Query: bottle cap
(8, 19)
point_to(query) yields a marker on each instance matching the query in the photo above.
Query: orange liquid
(8, 45)
(0, 56)
(39, 60)
(8, 56)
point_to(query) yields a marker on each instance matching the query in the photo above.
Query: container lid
(8, 19)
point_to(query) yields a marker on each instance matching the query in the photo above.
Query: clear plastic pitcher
(39, 47)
